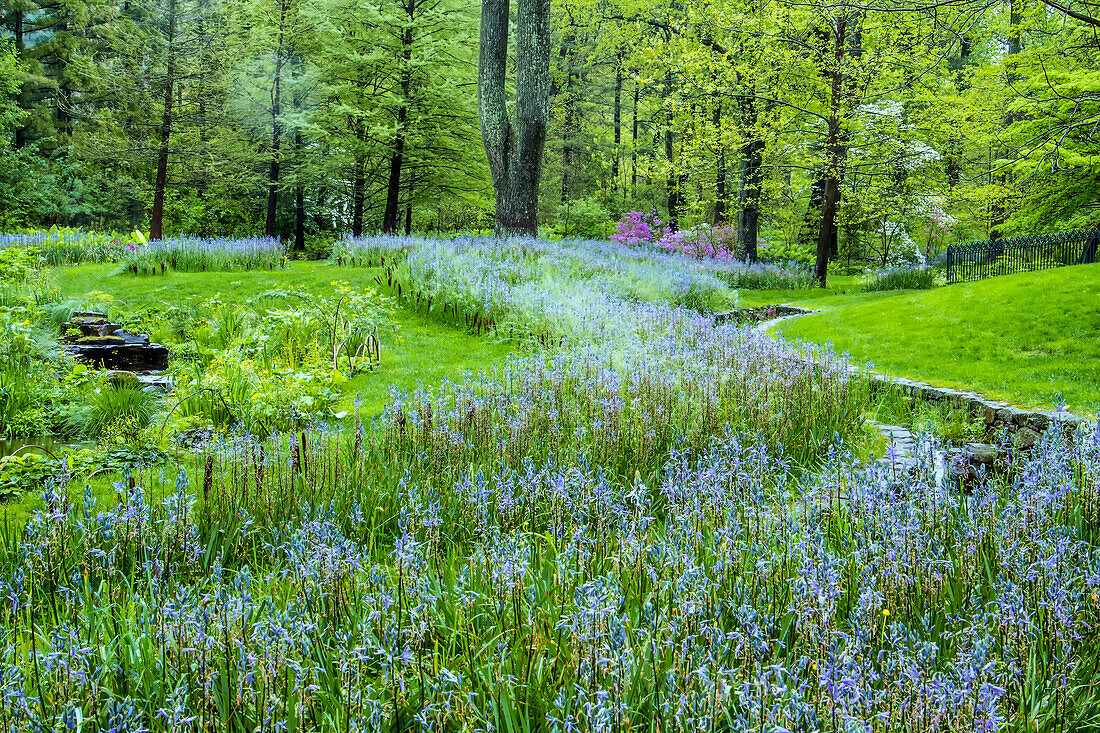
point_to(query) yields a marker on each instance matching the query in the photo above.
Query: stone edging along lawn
(1026, 425)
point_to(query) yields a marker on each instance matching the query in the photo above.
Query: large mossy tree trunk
(515, 145)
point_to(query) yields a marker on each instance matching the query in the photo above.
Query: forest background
(926, 123)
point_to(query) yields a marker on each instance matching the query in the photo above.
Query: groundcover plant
(648, 522)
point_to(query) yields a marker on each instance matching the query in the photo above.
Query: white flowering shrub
(902, 251)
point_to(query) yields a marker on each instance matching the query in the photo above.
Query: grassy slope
(421, 350)
(1026, 338)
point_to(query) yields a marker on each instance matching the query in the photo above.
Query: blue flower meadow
(652, 523)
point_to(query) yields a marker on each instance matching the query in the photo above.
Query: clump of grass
(122, 405)
(769, 277)
(900, 278)
(894, 407)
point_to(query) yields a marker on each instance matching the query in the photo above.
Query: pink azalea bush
(637, 228)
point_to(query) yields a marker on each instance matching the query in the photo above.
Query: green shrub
(584, 218)
(702, 299)
(319, 246)
(17, 263)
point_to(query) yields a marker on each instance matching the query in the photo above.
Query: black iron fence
(978, 260)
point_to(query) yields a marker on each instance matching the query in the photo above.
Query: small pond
(51, 443)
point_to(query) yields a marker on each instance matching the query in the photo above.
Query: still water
(53, 444)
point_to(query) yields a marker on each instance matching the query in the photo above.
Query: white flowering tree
(893, 187)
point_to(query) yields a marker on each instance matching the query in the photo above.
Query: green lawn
(1030, 338)
(422, 350)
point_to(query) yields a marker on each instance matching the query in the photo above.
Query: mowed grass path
(421, 350)
(1030, 339)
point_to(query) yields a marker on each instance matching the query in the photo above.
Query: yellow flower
(885, 612)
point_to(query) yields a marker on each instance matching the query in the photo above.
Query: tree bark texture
(721, 194)
(567, 131)
(156, 224)
(672, 182)
(833, 158)
(397, 159)
(515, 145)
(617, 121)
(276, 128)
(634, 140)
(20, 46)
(998, 213)
(359, 183)
(749, 179)
(299, 200)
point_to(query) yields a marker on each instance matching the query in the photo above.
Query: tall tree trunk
(320, 221)
(998, 214)
(408, 218)
(852, 48)
(671, 188)
(812, 220)
(634, 141)
(749, 178)
(20, 47)
(672, 180)
(833, 158)
(276, 128)
(566, 59)
(156, 225)
(721, 195)
(515, 147)
(953, 164)
(359, 183)
(358, 196)
(617, 121)
(202, 181)
(299, 198)
(393, 185)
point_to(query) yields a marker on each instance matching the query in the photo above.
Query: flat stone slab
(902, 446)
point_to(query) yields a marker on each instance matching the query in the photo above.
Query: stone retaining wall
(1026, 424)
